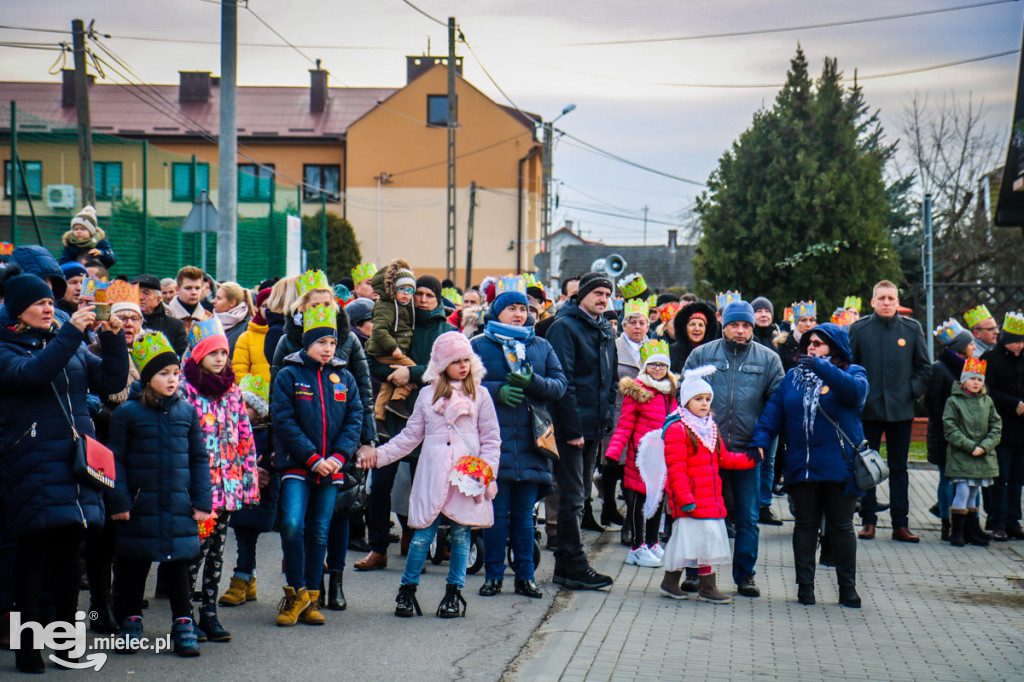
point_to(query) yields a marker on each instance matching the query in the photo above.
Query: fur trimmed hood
(641, 391)
(385, 281)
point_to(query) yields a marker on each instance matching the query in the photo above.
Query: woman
(233, 307)
(279, 304)
(249, 357)
(45, 373)
(694, 324)
(819, 465)
(522, 369)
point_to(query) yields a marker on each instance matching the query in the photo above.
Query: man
(187, 305)
(569, 288)
(585, 345)
(155, 314)
(893, 350)
(362, 278)
(751, 374)
(168, 289)
(983, 326)
(74, 273)
(768, 334)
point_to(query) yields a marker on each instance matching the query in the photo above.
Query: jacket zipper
(31, 430)
(732, 390)
(323, 408)
(78, 503)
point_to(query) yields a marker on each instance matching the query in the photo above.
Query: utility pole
(469, 235)
(645, 226)
(382, 179)
(85, 168)
(227, 191)
(452, 113)
(545, 202)
(929, 281)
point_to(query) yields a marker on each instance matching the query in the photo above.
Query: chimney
(194, 86)
(417, 66)
(317, 89)
(67, 90)
(672, 236)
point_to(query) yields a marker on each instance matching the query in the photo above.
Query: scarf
(810, 383)
(703, 427)
(513, 341)
(210, 385)
(663, 387)
(233, 317)
(90, 243)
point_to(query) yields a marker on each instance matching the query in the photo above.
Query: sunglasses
(815, 343)
(406, 290)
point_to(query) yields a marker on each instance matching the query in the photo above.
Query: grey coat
(894, 353)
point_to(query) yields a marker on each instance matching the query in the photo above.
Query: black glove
(806, 361)
(755, 455)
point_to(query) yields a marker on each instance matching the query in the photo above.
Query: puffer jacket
(971, 421)
(895, 354)
(392, 322)
(72, 252)
(1004, 380)
(163, 473)
(693, 476)
(248, 357)
(945, 373)
(747, 375)
(682, 346)
(644, 409)
(520, 460)
(36, 369)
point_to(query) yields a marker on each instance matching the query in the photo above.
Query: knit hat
(342, 295)
(407, 278)
(953, 336)
(256, 393)
(87, 219)
(360, 310)
(654, 350)
(448, 348)
(591, 281)
(762, 303)
(20, 291)
(973, 368)
(152, 352)
(74, 269)
(318, 322)
(694, 383)
(508, 290)
(738, 311)
(425, 282)
(206, 336)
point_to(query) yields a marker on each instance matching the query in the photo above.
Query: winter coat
(72, 252)
(433, 424)
(275, 330)
(160, 320)
(520, 460)
(815, 452)
(945, 373)
(234, 333)
(628, 366)
(692, 476)
(681, 347)
(163, 472)
(36, 444)
(350, 351)
(248, 357)
(971, 421)
(262, 518)
(392, 322)
(111, 401)
(316, 414)
(1004, 380)
(788, 348)
(747, 375)
(644, 409)
(586, 350)
(895, 354)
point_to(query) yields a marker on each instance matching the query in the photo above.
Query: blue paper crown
(728, 297)
(204, 329)
(510, 284)
(948, 330)
(804, 309)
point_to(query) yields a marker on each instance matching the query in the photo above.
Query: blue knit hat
(738, 311)
(74, 269)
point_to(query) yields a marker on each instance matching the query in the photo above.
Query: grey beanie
(359, 310)
(960, 341)
(760, 303)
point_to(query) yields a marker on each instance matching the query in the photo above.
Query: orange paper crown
(475, 467)
(974, 366)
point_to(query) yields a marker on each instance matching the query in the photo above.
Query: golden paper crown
(147, 346)
(1013, 323)
(948, 330)
(852, 302)
(312, 279)
(728, 297)
(510, 283)
(452, 294)
(204, 329)
(363, 271)
(974, 366)
(976, 316)
(319, 316)
(635, 306)
(653, 347)
(92, 286)
(804, 309)
(632, 285)
(120, 291)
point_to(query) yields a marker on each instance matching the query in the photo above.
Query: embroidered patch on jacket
(340, 393)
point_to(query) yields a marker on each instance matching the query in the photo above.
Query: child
(249, 523)
(317, 419)
(694, 453)
(210, 388)
(393, 321)
(163, 489)
(973, 428)
(85, 238)
(646, 401)
(455, 475)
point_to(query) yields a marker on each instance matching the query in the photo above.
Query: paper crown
(1013, 323)
(852, 302)
(804, 309)
(653, 347)
(6, 248)
(843, 317)
(975, 316)
(974, 366)
(632, 285)
(510, 284)
(149, 345)
(948, 330)
(310, 280)
(474, 467)
(119, 291)
(652, 301)
(530, 279)
(256, 393)
(91, 286)
(668, 311)
(617, 304)
(787, 314)
(363, 271)
(321, 316)
(635, 306)
(728, 297)
(452, 294)
(204, 329)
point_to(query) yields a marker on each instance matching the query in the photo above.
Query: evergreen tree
(342, 248)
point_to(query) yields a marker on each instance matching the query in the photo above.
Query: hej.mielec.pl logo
(69, 638)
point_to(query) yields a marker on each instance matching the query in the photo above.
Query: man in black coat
(155, 315)
(584, 342)
(893, 350)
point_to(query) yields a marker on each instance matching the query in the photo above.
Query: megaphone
(598, 265)
(615, 265)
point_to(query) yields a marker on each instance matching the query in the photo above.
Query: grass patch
(918, 452)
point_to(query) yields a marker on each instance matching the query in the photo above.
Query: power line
(32, 28)
(432, 18)
(488, 74)
(638, 218)
(189, 41)
(276, 33)
(616, 157)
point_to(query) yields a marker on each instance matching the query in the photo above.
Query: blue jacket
(820, 455)
(520, 460)
(316, 414)
(106, 256)
(38, 489)
(163, 472)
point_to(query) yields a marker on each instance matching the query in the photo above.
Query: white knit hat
(87, 219)
(694, 384)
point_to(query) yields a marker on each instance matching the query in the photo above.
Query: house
(663, 266)
(560, 239)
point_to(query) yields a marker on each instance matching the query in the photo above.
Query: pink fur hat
(448, 348)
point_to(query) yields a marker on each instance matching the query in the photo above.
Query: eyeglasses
(986, 329)
(129, 318)
(406, 290)
(657, 365)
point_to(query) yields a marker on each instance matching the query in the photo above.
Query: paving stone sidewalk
(931, 611)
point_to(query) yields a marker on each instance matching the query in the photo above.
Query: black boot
(335, 593)
(945, 530)
(973, 533)
(957, 519)
(29, 661)
(104, 623)
(588, 522)
(449, 606)
(805, 594)
(405, 603)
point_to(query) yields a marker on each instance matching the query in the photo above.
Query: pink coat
(432, 423)
(643, 409)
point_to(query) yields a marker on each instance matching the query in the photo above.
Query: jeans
(306, 510)
(575, 472)
(1004, 495)
(378, 505)
(944, 493)
(337, 540)
(130, 582)
(245, 540)
(768, 473)
(810, 501)
(897, 444)
(513, 520)
(458, 535)
(746, 486)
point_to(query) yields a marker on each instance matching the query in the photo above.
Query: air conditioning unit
(60, 196)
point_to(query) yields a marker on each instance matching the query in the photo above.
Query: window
(254, 182)
(182, 188)
(33, 179)
(437, 110)
(319, 178)
(108, 179)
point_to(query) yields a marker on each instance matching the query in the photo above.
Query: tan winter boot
(708, 590)
(250, 589)
(312, 615)
(670, 585)
(235, 594)
(292, 606)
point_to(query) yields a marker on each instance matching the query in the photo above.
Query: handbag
(93, 462)
(543, 431)
(869, 469)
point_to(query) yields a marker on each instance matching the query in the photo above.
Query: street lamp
(545, 216)
(382, 179)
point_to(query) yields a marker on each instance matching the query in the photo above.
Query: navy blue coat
(39, 491)
(520, 460)
(261, 518)
(822, 456)
(163, 472)
(106, 256)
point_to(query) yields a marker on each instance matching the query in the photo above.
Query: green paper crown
(852, 302)
(1013, 323)
(363, 271)
(530, 280)
(452, 294)
(652, 301)
(149, 345)
(319, 316)
(312, 279)
(653, 347)
(948, 331)
(975, 316)
(632, 285)
(635, 306)
(253, 383)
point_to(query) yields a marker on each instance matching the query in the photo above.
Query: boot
(335, 592)
(957, 518)
(588, 522)
(449, 606)
(186, 644)
(292, 606)
(690, 584)
(945, 530)
(209, 624)
(250, 589)
(973, 533)
(29, 661)
(805, 594)
(670, 585)
(312, 615)
(709, 591)
(405, 603)
(848, 597)
(104, 623)
(235, 595)
(131, 634)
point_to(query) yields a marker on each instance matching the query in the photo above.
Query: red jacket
(643, 409)
(693, 473)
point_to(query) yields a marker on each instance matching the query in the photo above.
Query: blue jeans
(421, 539)
(944, 493)
(746, 486)
(245, 540)
(768, 473)
(306, 511)
(513, 518)
(337, 541)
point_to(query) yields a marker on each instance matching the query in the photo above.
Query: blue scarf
(513, 341)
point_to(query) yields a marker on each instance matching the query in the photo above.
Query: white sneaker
(646, 558)
(657, 550)
(631, 557)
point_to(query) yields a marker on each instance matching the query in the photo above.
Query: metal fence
(954, 299)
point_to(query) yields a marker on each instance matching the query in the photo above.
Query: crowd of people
(304, 407)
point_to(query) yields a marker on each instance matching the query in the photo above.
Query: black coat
(586, 350)
(895, 354)
(38, 489)
(1005, 379)
(275, 330)
(170, 326)
(945, 372)
(681, 348)
(163, 472)
(261, 518)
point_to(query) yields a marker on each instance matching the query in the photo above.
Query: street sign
(202, 217)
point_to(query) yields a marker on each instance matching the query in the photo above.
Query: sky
(633, 99)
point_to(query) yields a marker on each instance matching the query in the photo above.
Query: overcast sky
(628, 96)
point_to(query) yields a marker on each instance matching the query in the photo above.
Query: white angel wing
(650, 461)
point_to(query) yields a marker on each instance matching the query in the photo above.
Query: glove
(807, 362)
(520, 380)
(690, 507)
(755, 455)
(510, 395)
